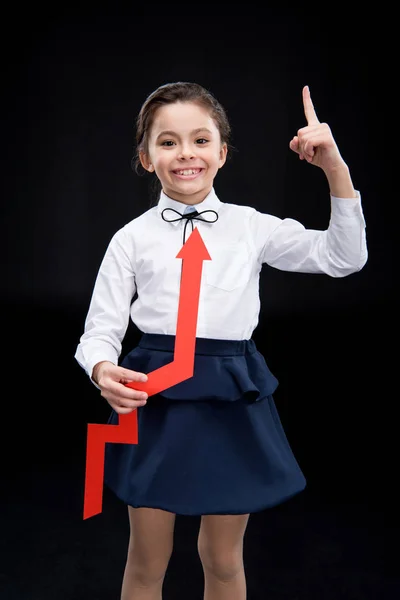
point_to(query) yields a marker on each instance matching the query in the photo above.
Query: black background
(75, 82)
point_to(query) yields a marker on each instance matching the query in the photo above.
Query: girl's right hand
(111, 380)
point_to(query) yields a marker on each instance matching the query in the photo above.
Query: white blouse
(141, 259)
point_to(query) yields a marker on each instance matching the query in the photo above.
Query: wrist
(339, 170)
(340, 183)
(96, 372)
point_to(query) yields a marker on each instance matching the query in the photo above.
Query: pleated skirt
(213, 444)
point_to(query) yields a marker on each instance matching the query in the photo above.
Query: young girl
(212, 445)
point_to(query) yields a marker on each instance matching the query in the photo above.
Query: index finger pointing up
(309, 110)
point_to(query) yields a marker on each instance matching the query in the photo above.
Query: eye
(201, 141)
(167, 143)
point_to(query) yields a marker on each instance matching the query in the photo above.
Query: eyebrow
(169, 132)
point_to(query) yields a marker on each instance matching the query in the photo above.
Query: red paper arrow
(192, 253)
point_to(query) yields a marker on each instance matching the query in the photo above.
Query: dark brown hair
(169, 93)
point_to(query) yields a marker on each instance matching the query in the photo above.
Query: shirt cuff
(347, 208)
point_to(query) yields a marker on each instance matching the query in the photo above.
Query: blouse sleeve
(108, 315)
(338, 251)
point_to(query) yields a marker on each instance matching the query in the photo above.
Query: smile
(187, 173)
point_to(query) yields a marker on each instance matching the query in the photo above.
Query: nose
(186, 152)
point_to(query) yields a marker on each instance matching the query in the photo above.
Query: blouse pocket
(229, 267)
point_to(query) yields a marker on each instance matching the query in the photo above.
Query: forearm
(340, 183)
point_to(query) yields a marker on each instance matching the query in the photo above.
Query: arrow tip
(194, 247)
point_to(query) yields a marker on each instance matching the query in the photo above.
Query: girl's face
(185, 151)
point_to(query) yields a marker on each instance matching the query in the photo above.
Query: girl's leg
(220, 547)
(149, 552)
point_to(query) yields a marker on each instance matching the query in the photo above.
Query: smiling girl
(212, 445)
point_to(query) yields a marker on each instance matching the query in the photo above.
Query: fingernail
(144, 378)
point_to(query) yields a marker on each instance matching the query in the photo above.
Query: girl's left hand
(315, 143)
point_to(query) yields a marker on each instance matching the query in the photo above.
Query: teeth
(188, 172)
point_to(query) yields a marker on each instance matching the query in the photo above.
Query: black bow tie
(189, 217)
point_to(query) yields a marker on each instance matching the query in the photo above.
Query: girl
(212, 445)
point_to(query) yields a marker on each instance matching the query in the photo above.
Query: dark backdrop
(74, 84)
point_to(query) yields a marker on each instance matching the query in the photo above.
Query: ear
(145, 162)
(222, 154)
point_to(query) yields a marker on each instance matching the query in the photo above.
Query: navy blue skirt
(213, 444)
